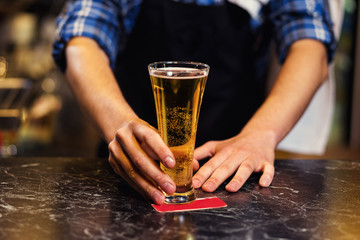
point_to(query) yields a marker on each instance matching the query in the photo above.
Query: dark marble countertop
(74, 198)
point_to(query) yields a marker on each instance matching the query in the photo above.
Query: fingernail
(265, 182)
(196, 183)
(158, 197)
(209, 186)
(169, 161)
(169, 188)
(234, 186)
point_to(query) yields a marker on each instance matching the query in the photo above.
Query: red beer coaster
(198, 204)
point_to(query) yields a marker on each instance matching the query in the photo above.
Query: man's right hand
(134, 145)
(132, 153)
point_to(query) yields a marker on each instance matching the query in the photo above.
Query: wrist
(111, 127)
(265, 136)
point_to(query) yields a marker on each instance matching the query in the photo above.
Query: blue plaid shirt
(109, 23)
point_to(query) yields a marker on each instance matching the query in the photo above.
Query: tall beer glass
(178, 89)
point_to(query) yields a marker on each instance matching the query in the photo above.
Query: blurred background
(44, 118)
(40, 117)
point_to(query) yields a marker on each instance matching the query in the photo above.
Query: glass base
(180, 198)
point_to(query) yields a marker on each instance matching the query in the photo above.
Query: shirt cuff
(97, 25)
(306, 29)
(302, 20)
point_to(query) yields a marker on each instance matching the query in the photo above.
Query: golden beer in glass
(178, 89)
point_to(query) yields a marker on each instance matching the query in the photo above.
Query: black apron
(219, 36)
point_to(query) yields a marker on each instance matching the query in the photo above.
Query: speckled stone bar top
(74, 198)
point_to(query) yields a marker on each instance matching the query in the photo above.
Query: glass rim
(192, 63)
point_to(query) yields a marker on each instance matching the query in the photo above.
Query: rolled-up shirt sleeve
(105, 21)
(301, 19)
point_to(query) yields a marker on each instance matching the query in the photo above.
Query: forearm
(94, 85)
(304, 70)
